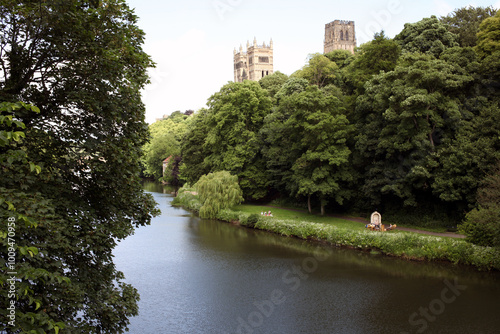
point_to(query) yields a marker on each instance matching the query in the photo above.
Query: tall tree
(319, 70)
(427, 36)
(319, 132)
(81, 62)
(272, 83)
(380, 54)
(465, 22)
(235, 115)
(193, 150)
(403, 117)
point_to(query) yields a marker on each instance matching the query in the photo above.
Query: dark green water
(199, 276)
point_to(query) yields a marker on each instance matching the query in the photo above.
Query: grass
(299, 215)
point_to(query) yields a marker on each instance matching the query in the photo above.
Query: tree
(292, 85)
(166, 136)
(379, 55)
(162, 146)
(404, 116)
(272, 83)
(318, 130)
(218, 191)
(319, 71)
(26, 215)
(193, 149)
(469, 156)
(82, 64)
(340, 57)
(465, 22)
(427, 36)
(482, 224)
(235, 115)
(488, 49)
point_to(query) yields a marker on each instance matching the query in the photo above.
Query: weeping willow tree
(218, 191)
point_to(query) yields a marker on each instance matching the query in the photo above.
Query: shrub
(482, 226)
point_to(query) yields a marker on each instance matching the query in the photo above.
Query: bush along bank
(406, 245)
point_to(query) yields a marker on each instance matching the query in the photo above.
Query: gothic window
(262, 73)
(341, 35)
(347, 35)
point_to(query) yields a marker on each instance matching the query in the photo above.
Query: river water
(202, 276)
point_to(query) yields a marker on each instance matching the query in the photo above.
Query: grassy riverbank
(340, 232)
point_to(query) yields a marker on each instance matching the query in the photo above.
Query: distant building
(165, 164)
(255, 63)
(340, 35)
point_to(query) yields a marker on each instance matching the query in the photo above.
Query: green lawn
(290, 213)
(300, 215)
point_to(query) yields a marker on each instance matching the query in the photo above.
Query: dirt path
(364, 221)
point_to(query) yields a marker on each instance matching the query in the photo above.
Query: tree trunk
(309, 203)
(322, 208)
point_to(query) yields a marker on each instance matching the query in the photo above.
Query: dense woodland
(408, 126)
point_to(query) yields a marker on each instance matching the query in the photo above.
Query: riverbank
(407, 245)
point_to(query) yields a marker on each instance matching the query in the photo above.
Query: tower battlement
(340, 35)
(254, 63)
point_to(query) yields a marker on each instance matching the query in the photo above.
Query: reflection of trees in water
(156, 187)
(225, 237)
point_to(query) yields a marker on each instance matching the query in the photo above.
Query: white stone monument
(376, 219)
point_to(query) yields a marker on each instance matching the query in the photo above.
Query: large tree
(82, 64)
(404, 117)
(230, 141)
(305, 146)
(465, 22)
(429, 36)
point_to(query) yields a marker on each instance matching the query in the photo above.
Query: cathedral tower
(340, 35)
(255, 63)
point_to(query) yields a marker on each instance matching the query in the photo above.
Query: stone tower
(255, 63)
(340, 35)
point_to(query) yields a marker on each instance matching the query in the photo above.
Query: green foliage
(82, 64)
(188, 198)
(488, 37)
(166, 138)
(235, 115)
(193, 149)
(319, 131)
(319, 71)
(465, 22)
(429, 36)
(404, 116)
(340, 57)
(482, 224)
(272, 83)
(162, 146)
(292, 85)
(380, 54)
(218, 191)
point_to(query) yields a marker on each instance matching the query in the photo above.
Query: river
(202, 276)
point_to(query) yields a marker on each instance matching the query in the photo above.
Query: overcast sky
(192, 41)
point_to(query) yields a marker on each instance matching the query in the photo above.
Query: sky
(192, 41)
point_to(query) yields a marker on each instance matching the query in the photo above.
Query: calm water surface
(201, 276)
